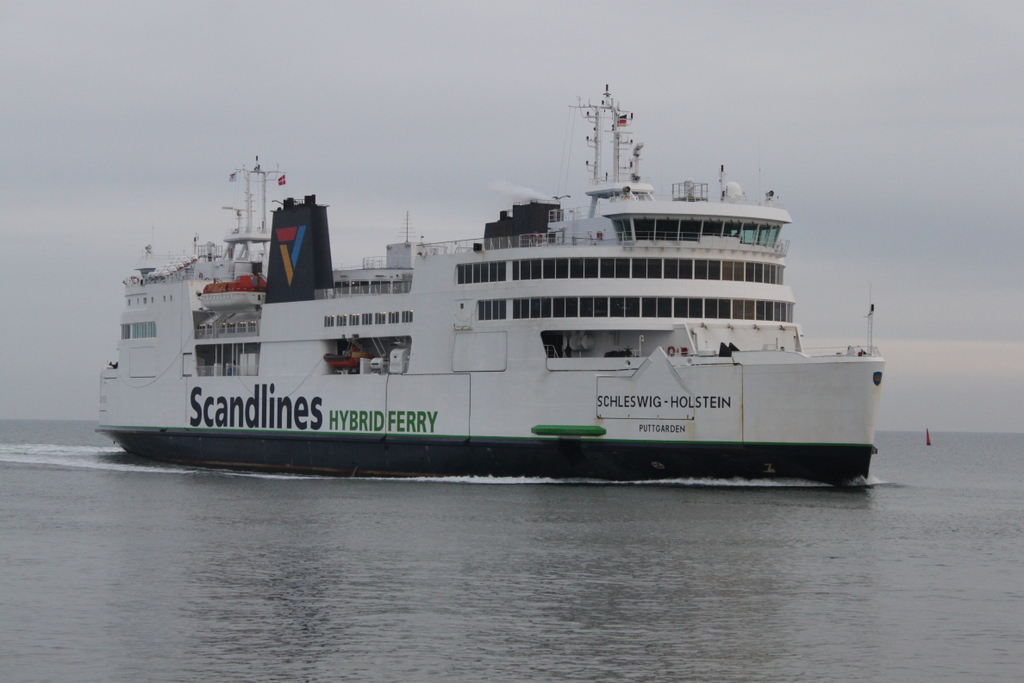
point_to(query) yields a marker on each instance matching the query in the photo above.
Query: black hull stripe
(567, 458)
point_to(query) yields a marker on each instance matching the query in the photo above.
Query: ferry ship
(636, 338)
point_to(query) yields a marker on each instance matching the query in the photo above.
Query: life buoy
(671, 350)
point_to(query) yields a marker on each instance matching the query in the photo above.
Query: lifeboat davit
(242, 294)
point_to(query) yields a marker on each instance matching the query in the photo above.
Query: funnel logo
(290, 257)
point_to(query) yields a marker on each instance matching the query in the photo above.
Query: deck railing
(250, 328)
(370, 288)
(228, 370)
(821, 351)
(557, 238)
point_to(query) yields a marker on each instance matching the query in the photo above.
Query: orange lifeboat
(248, 283)
(245, 283)
(340, 362)
(346, 361)
(242, 294)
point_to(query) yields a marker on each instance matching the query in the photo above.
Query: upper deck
(750, 241)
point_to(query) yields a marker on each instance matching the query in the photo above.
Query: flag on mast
(233, 177)
(280, 180)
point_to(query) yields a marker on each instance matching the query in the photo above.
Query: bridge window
(689, 230)
(667, 229)
(643, 228)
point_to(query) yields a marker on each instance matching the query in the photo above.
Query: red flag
(280, 180)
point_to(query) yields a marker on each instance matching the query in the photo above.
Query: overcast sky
(893, 133)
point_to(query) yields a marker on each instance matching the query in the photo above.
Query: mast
(618, 119)
(871, 329)
(620, 140)
(594, 115)
(241, 240)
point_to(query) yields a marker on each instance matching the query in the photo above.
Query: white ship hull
(776, 413)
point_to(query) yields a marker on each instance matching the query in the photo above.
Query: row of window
(471, 273)
(647, 268)
(141, 301)
(138, 330)
(492, 309)
(637, 307)
(353, 319)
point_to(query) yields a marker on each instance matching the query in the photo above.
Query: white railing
(558, 238)
(369, 288)
(822, 351)
(249, 328)
(228, 370)
(781, 247)
(455, 247)
(689, 191)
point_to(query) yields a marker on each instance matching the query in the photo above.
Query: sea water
(113, 568)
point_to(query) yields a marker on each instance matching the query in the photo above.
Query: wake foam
(108, 458)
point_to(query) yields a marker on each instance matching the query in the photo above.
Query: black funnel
(300, 252)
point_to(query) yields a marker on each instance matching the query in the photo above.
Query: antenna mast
(595, 113)
(871, 324)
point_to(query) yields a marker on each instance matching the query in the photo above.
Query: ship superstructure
(635, 338)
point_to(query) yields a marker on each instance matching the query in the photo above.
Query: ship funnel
(300, 252)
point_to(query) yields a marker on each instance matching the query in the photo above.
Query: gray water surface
(117, 569)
